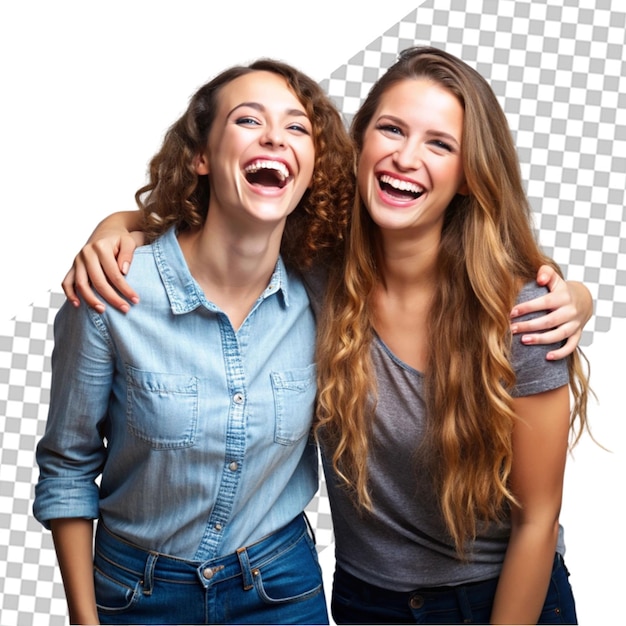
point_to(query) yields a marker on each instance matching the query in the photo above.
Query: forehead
(421, 99)
(261, 87)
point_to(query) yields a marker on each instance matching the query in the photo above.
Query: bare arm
(103, 262)
(540, 440)
(570, 305)
(73, 543)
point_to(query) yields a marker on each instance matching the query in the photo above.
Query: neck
(403, 299)
(233, 269)
(407, 264)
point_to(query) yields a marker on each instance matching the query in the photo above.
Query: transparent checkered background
(558, 69)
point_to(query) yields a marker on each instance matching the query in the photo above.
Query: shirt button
(232, 466)
(238, 398)
(218, 526)
(416, 601)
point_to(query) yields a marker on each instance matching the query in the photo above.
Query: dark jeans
(357, 602)
(277, 580)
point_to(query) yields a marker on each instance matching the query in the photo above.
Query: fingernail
(514, 328)
(124, 308)
(135, 300)
(514, 313)
(125, 267)
(99, 308)
(526, 338)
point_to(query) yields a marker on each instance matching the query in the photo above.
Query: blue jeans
(277, 580)
(358, 602)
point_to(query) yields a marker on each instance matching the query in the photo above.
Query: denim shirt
(181, 434)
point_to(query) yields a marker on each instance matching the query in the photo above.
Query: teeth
(401, 185)
(279, 167)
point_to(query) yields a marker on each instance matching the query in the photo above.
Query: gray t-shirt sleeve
(534, 373)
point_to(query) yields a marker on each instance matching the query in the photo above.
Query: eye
(246, 120)
(442, 145)
(390, 129)
(299, 128)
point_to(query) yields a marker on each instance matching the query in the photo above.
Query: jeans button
(416, 601)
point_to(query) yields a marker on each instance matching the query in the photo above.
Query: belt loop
(465, 606)
(148, 574)
(246, 572)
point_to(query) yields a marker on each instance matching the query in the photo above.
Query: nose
(408, 156)
(274, 136)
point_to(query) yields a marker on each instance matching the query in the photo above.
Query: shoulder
(148, 259)
(529, 291)
(534, 373)
(315, 283)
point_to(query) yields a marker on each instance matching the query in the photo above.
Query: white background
(88, 90)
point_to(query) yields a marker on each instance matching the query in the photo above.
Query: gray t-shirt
(403, 544)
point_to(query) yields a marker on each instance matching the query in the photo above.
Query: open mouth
(267, 173)
(399, 189)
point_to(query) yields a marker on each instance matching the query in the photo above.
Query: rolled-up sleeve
(72, 451)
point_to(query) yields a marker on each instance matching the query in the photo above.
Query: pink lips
(398, 190)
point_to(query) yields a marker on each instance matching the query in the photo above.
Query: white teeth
(279, 167)
(401, 185)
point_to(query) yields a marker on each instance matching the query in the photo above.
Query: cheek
(305, 175)
(461, 187)
(307, 161)
(449, 175)
(365, 171)
(375, 151)
(363, 182)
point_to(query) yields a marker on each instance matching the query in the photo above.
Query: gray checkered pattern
(30, 584)
(558, 68)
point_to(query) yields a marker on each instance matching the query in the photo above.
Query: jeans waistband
(154, 564)
(381, 595)
(372, 593)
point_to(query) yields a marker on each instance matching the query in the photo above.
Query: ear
(463, 189)
(201, 164)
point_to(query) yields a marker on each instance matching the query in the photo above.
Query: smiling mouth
(267, 173)
(401, 189)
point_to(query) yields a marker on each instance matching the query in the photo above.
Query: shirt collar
(184, 293)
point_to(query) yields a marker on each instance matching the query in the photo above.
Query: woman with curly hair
(183, 427)
(444, 438)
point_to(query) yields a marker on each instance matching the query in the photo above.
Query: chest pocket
(294, 400)
(162, 409)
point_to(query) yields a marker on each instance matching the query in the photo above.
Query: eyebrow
(259, 107)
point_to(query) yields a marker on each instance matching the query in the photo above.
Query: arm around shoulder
(104, 261)
(569, 306)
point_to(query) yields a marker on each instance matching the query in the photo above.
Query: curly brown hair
(177, 196)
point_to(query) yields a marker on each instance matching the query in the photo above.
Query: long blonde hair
(487, 251)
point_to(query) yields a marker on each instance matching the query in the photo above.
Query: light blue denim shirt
(200, 433)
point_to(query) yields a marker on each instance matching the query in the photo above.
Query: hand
(102, 263)
(570, 307)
